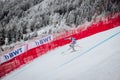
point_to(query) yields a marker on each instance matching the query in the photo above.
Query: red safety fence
(78, 33)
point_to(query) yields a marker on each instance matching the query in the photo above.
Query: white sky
(98, 58)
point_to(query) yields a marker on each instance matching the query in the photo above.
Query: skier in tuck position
(73, 42)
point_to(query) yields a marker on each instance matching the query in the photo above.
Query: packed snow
(97, 58)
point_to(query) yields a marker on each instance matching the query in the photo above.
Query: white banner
(44, 40)
(12, 54)
(40, 42)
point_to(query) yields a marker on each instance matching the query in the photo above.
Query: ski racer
(73, 42)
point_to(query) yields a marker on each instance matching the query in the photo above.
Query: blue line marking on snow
(89, 49)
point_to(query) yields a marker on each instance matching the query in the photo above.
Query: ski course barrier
(31, 50)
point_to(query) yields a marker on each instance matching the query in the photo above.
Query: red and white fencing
(33, 49)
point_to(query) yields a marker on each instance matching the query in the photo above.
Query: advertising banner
(12, 54)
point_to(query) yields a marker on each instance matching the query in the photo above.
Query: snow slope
(97, 58)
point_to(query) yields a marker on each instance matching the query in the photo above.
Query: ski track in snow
(91, 48)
